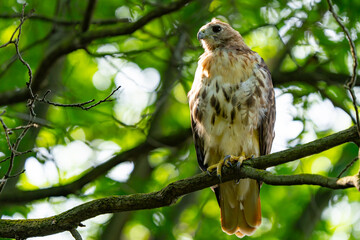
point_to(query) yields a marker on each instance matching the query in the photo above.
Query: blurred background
(141, 141)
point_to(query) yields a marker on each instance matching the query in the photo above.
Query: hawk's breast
(227, 102)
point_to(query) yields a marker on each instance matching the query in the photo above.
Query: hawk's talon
(228, 161)
(239, 163)
(218, 168)
(229, 164)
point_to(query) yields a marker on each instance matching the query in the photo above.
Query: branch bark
(317, 146)
(167, 196)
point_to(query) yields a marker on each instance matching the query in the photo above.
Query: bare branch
(79, 105)
(13, 147)
(6, 66)
(23, 127)
(348, 166)
(12, 41)
(6, 130)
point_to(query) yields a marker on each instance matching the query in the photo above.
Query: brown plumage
(232, 108)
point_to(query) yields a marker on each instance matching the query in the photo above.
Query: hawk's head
(217, 34)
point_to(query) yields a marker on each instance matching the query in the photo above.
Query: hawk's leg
(228, 161)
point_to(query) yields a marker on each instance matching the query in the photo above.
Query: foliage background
(309, 59)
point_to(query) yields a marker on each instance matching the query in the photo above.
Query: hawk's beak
(200, 35)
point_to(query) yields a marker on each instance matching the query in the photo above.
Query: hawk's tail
(240, 207)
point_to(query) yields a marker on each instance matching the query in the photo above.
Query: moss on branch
(72, 218)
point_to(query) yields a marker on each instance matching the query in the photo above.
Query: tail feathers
(240, 210)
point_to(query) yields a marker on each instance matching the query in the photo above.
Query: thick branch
(317, 146)
(165, 197)
(298, 152)
(169, 195)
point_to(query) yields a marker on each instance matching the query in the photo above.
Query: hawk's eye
(216, 28)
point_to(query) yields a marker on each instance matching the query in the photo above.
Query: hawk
(232, 108)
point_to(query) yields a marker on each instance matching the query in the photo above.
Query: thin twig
(5, 159)
(351, 83)
(13, 147)
(22, 19)
(17, 174)
(11, 41)
(104, 100)
(6, 65)
(348, 166)
(79, 105)
(23, 127)
(6, 130)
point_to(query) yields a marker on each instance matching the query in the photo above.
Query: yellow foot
(218, 168)
(228, 161)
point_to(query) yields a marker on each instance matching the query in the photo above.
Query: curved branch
(317, 146)
(167, 196)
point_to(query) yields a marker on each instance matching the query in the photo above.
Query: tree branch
(33, 16)
(78, 105)
(169, 195)
(13, 147)
(88, 15)
(317, 146)
(165, 197)
(76, 41)
(21, 196)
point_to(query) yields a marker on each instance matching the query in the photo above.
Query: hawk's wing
(266, 128)
(199, 146)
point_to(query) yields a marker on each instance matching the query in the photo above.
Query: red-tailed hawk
(232, 107)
